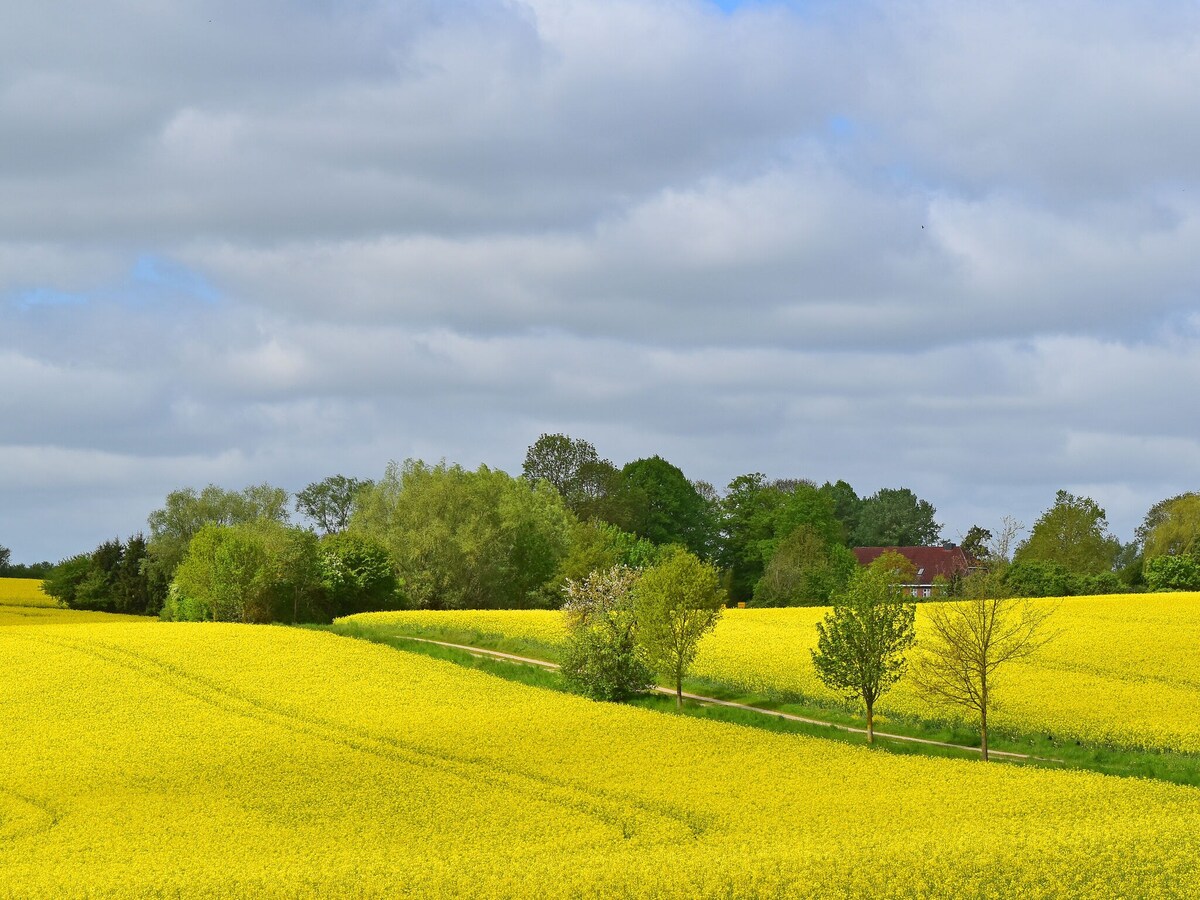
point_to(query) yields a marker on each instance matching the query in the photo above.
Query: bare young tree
(966, 642)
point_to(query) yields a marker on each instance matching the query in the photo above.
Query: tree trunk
(870, 722)
(983, 705)
(678, 689)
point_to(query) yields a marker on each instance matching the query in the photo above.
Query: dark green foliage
(358, 575)
(847, 505)
(467, 540)
(862, 641)
(747, 520)
(5, 559)
(1173, 573)
(330, 502)
(112, 578)
(976, 544)
(27, 570)
(666, 508)
(1074, 534)
(895, 517)
(1037, 578)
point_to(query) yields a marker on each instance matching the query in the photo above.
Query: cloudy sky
(942, 245)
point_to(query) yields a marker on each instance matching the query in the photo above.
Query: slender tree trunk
(983, 705)
(870, 721)
(679, 688)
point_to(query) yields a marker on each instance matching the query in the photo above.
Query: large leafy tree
(5, 558)
(330, 501)
(666, 508)
(847, 505)
(896, 517)
(1173, 527)
(805, 569)
(676, 602)
(461, 539)
(862, 640)
(1073, 533)
(747, 521)
(187, 510)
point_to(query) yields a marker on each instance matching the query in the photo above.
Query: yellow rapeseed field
(1124, 670)
(202, 760)
(23, 592)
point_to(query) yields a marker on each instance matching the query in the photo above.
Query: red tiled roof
(928, 561)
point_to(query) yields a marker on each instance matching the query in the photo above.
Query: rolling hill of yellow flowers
(1123, 670)
(202, 760)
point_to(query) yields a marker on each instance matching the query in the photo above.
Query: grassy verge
(1178, 768)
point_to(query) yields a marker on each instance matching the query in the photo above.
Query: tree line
(443, 537)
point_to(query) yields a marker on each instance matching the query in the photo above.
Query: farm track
(700, 698)
(613, 811)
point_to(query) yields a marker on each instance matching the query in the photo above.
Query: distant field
(202, 760)
(23, 592)
(1124, 671)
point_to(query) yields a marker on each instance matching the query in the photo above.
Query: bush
(357, 575)
(1173, 573)
(602, 659)
(1037, 578)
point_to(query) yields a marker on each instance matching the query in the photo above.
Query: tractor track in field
(700, 698)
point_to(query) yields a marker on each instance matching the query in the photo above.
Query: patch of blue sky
(152, 281)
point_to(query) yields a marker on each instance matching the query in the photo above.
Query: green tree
(358, 575)
(1173, 573)
(805, 569)
(977, 542)
(676, 602)
(597, 546)
(187, 510)
(666, 508)
(1175, 529)
(602, 658)
(747, 520)
(329, 502)
(467, 540)
(896, 517)
(1039, 578)
(1074, 534)
(223, 577)
(862, 640)
(564, 462)
(966, 642)
(5, 559)
(63, 580)
(847, 505)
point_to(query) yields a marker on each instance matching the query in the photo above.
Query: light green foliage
(257, 572)
(805, 570)
(1176, 529)
(676, 602)
(602, 658)
(186, 511)
(330, 502)
(222, 578)
(598, 546)
(1173, 573)
(1074, 534)
(357, 575)
(862, 641)
(895, 517)
(467, 540)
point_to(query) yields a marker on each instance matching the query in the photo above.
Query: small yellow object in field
(24, 592)
(1123, 671)
(215, 760)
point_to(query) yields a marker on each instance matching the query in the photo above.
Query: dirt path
(544, 664)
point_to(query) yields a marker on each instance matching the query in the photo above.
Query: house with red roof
(948, 561)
